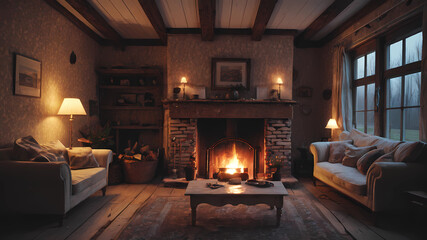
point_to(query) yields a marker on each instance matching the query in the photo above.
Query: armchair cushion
(84, 178)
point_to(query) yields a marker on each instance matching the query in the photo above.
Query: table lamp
(332, 124)
(184, 81)
(71, 106)
(280, 82)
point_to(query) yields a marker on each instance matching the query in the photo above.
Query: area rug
(170, 218)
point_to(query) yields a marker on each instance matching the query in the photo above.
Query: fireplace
(231, 157)
(215, 130)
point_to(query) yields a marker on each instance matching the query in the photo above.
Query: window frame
(401, 71)
(361, 51)
(379, 44)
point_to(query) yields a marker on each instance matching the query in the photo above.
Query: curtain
(423, 97)
(346, 93)
(342, 105)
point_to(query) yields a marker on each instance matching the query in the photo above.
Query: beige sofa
(383, 186)
(48, 187)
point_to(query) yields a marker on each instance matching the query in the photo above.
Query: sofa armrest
(320, 151)
(103, 156)
(35, 187)
(386, 182)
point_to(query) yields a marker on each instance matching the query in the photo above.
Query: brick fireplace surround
(182, 125)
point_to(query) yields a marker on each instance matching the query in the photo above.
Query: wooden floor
(104, 217)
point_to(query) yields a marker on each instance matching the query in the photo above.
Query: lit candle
(183, 81)
(280, 82)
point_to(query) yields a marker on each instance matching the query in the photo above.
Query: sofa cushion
(386, 144)
(352, 154)
(344, 135)
(346, 177)
(367, 159)
(361, 139)
(408, 152)
(336, 151)
(81, 157)
(82, 179)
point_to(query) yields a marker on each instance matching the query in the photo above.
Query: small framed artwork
(27, 76)
(230, 72)
(305, 92)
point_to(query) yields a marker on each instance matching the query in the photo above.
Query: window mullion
(402, 104)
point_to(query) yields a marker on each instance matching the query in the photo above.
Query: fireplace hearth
(205, 128)
(231, 158)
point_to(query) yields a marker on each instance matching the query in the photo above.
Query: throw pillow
(45, 156)
(367, 159)
(81, 157)
(336, 151)
(55, 148)
(388, 157)
(25, 148)
(352, 154)
(408, 152)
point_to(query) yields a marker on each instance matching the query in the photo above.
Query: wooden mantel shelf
(229, 109)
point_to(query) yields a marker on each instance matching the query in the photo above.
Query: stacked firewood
(138, 153)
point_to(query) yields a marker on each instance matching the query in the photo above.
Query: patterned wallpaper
(271, 57)
(34, 29)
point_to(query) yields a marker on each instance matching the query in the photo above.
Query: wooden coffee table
(234, 195)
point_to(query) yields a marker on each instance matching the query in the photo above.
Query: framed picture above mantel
(230, 73)
(27, 81)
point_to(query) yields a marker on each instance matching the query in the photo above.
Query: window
(403, 85)
(387, 86)
(364, 91)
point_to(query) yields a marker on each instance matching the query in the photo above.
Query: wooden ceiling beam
(207, 12)
(61, 9)
(94, 18)
(152, 11)
(265, 10)
(366, 10)
(324, 19)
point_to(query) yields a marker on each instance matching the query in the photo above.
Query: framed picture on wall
(230, 72)
(27, 81)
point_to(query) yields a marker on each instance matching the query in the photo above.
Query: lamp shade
(332, 124)
(183, 80)
(279, 81)
(71, 106)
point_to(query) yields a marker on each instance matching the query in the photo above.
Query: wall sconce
(183, 81)
(280, 83)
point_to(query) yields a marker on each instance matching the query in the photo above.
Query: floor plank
(107, 214)
(353, 226)
(105, 217)
(80, 213)
(114, 229)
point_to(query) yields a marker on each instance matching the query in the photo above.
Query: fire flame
(233, 163)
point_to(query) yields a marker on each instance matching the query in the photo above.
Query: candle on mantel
(280, 82)
(183, 81)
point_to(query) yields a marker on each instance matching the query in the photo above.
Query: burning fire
(233, 163)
